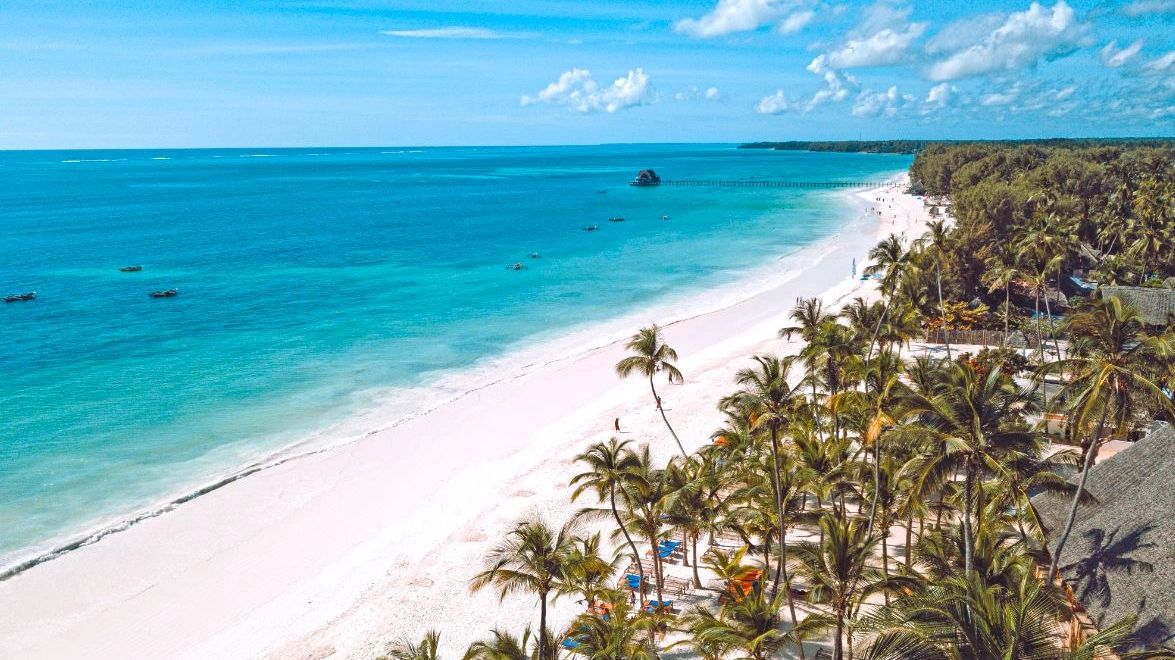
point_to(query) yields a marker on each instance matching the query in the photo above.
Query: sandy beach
(334, 554)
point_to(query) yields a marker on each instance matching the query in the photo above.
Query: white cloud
(880, 104)
(1063, 94)
(1114, 58)
(579, 91)
(836, 87)
(454, 33)
(773, 105)
(1019, 41)
(796, 22)
(695, 94)
(1144, 7)
(1162, 64)
(938, 97)
(731, 16)
(883, 38)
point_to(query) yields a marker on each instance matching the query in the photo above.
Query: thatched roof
(1155, 305)
(1120, 558)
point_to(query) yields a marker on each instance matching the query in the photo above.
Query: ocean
(324, 293)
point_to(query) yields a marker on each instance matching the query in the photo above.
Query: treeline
(853, 146)
(1027, 216)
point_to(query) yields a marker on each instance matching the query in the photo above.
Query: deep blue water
(315, 284)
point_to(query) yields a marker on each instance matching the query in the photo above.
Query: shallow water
(315, 284)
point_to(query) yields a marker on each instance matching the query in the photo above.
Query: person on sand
(617, 424)
(658, 403)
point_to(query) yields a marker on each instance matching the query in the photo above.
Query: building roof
(1120, 557)
(1155, 305)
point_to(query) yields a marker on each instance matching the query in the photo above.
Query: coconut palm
(406, 650)
(694, 505)
(890, 259)
(1112, 356)
(837, 571)
(611, 466)
(651, 355)
(501, 645)
(969, 421)
(533, 558)
(619, 635)
(748, 625)
(933, 245)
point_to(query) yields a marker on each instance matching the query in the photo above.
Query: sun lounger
(569, 643)
(677, 586)
(661, 607)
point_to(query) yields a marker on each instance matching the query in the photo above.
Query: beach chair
(677, 586)
(570, 644)
(659, 607)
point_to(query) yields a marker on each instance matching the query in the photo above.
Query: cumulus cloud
(836, 85)
(1146, 7)
(694, 94)
(883, 38)
(773, 105)
(731, 16)
(454, 33)
(1161, 64)
(579, 91)
(1006, 97)
(938, 97)
(1019, 41)
(880, 104)
(1114, 58)
(1063, 94)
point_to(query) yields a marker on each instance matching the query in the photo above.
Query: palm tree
(647, 495)
(959, 618)
(504, 646)
(1001, 274)
(890, 258)
(611, 467)
(748, 625)
(406, 650)
(934, 248)
(970, 421)
(1112, 355)
(694, 505)
(620, 635)
(837, 571)
(651, 356)
(533, 558)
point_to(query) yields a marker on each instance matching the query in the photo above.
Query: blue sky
(112, 73)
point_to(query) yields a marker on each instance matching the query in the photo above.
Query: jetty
(760, 183)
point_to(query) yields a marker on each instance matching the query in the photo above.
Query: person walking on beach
(617, 424)
(658, 403)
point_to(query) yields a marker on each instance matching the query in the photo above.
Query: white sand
(337, 553)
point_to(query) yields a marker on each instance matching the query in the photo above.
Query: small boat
(131, 269)
(170, 293)
(664, 217)
(20, 296)
(616, 219)
(516, 266)
(535, 255)
(591, 228)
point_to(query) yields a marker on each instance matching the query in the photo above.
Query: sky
(221, 73)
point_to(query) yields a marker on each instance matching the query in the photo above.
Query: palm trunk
(636, 554)
(661, 409)
(910, 538)
(838, 651)
(968, 543)
(885, 560)
(1007, 309)
(791, 603)
(942, 308)
(1077, 495)
(1049, 313)
(543, 625)
(1039, 329)
(697, 578)
(778, 503)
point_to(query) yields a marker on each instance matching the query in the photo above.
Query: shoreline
(515, 361)
(305, 550)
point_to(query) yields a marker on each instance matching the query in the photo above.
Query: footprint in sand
(420, 582)
(474, 537)
(522, 493)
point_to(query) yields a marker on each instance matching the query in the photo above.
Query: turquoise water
(316, 284)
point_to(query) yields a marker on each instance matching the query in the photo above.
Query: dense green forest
(917, 146)
(1033, 214)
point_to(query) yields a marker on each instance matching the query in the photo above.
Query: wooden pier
(759, 183)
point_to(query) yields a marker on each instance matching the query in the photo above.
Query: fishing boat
(591, 228)
(664, 217)
(170, 293)
(616, 219)
(20, 296)
(131, 269)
